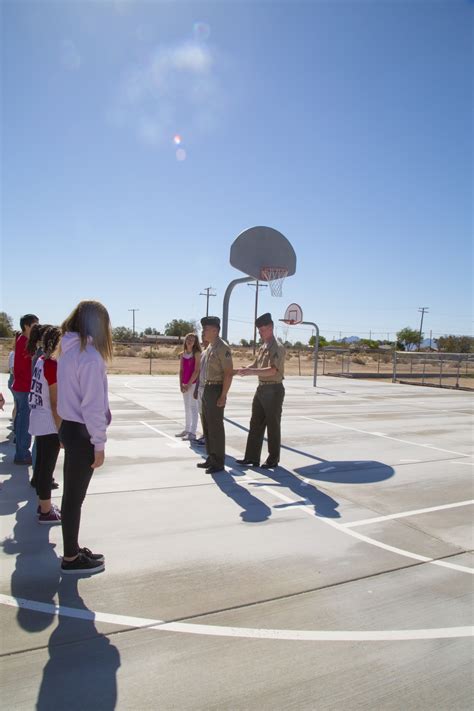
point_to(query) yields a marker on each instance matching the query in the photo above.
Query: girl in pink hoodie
(83, 406)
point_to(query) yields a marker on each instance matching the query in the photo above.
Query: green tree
(122, 333)
(6, 325)
(409, 337)
(151, 331)
(179, 327)
(322, 341)
(244, 343)
(456, 344)
(368, 342)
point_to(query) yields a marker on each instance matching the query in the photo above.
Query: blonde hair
(91, 319)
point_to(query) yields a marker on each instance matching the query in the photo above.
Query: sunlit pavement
(341, 579)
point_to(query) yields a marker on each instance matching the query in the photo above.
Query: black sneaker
(81, 564)
(92, 556)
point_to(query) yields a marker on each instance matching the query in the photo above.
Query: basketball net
(275, 276)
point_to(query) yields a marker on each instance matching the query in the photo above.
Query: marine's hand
(220, 402)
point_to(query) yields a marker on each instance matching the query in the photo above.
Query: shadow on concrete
(82, 666)
(283, 446)
(253, 510)
(342, 472)
(347, 472)
(81, 672)
(324, 505)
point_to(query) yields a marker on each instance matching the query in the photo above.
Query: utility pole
(207, 294)
(257, 286)
(422, 310)
(133, 312)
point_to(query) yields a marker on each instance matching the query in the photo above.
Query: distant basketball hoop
(293, 315)
(275, 276)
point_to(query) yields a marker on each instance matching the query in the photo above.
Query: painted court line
(175, 440)
(368, 521)
(246, 632)
(384, 436)
(309, 509)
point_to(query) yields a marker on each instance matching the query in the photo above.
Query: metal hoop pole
(316, 349)
(225, 307)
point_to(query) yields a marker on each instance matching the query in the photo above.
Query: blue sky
(345, 125)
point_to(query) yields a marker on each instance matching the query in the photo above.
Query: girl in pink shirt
(188, 374)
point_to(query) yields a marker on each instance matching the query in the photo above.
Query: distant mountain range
(424, 344)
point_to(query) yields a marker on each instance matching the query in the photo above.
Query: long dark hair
(51, 340)
(196, 347)
(36, 335)
(91, 318)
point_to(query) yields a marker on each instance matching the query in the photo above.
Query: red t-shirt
(50, 370)
(21, 366)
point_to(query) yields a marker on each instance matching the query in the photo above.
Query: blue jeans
(22, 423)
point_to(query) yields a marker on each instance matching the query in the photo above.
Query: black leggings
(78, 459)
(47, 450)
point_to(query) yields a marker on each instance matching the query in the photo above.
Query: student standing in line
(11, 362)
(44, 425)
(35, 349)
(83, 405)
(21, 389)
(189, 366)
(199, 388)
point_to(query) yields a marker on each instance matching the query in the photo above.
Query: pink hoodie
(82, 388)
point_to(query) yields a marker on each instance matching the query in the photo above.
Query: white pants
(190, 411)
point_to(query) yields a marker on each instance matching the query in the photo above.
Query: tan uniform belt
(213, 382)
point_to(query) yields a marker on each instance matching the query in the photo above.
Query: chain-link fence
(452, 370)
(444, 370)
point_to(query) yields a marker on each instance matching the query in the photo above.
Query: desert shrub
(359, 360)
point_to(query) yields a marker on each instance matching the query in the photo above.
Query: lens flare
(180, 154)
(177, 140)
(201, 31)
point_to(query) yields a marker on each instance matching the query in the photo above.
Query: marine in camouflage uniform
(269, 366)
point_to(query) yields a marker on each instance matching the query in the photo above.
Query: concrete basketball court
(342, 579)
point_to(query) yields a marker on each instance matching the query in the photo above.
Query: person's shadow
(82, 666)
(81, 672)
(348, 471)
(324, 505)
(253, 510)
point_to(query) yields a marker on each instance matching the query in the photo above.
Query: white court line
(307, 508)
(384, 436)
(469, 464)
(175, 440)
(368, 521)
(366, 539)
(246, 632)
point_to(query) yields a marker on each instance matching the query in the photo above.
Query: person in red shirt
(21, 389)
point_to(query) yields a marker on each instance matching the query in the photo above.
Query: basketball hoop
(275, 277)
(293, 315)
